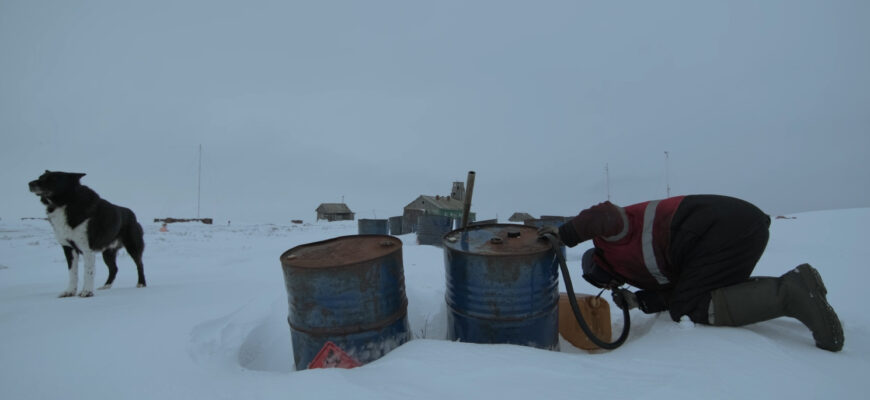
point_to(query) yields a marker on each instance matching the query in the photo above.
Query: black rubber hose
(572, 298)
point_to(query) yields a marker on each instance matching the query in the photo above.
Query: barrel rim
(285, 263)
(447, 247)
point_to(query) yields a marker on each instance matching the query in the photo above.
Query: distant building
(520, 217)
(334, 212)
(556, 219)
(448, 206)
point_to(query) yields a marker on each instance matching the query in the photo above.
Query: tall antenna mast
(607, 179)
(667, 174)
(199, 183)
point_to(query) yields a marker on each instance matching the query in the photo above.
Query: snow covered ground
(212, 325)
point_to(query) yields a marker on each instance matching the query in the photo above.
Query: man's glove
(624, 298)
(548, 232)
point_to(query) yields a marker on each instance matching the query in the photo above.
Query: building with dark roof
(520, 217)
(334, 212)
(448, 206)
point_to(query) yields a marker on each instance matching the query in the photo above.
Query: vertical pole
(667, 175)
(199, 183)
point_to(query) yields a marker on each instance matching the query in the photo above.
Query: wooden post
(469, 190)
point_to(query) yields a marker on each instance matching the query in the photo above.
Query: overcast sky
(298, 103)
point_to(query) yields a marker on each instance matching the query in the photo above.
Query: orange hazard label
(332, 356)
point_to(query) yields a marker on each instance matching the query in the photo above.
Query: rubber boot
(799, 293)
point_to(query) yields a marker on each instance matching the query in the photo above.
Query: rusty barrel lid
(340, 251)
(496, 240)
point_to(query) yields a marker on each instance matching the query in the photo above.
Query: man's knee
(698, 310)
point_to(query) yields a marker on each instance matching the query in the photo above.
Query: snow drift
(212, 324)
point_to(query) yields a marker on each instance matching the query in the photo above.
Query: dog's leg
(72, 264)
(109, 257)
(90, 267)
(141, 270)
(135, 244)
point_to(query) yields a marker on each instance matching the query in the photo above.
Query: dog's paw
(104, 287)
(140, 285)
(86, 293)
(66, 294)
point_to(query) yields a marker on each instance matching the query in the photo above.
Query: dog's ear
(78, 176)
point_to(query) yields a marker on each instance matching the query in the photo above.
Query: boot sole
(813, 281)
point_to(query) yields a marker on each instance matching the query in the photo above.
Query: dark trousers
(715, 242)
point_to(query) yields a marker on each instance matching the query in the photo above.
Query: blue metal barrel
(372, 226)
(431, 229)
(396, 225)
(502, 286)
(348, 290)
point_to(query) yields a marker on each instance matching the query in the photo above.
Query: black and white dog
(84, 224)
